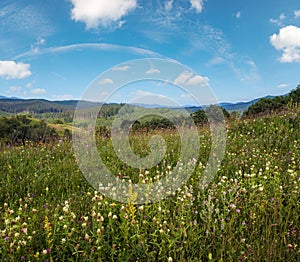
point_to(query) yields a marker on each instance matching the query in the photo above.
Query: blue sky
(54, 49)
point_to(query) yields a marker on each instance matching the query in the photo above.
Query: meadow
(250, 211)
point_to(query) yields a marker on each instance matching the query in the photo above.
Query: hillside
(66, 108)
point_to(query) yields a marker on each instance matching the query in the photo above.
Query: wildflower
(115, 217)
(170, 259)
(243, 223)
(24, 230)
(261, 188)
(238, 210)
(63, 240)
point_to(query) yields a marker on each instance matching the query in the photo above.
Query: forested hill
(269, 105)
(34, 106)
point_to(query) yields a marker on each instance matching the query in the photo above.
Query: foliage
(200, 116)
(269, 105)
(19, 129)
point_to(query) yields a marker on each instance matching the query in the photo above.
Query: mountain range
(18, 105)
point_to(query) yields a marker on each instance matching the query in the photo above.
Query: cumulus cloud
(197, 5)
(106, 81)
(287, 41)
(152, 71)
(38, 91)
(188, 78)
(278, 21)
(282, 86)
(13, 70)
(297, 14)
(100, 12)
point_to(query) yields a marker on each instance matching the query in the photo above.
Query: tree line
(19, 129)
(269, 105)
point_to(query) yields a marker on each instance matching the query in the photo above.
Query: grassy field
(250, 212)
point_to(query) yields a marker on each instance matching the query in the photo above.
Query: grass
(250, 212)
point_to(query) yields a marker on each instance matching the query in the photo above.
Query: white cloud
(216, 61)
(14, 89)
(152, 71)
(197, 5)
(186, 96)
(169, 5)
(282, 17)
(100, 12)
(38, 91)
(183, 78)
(13, 70)
(29, 85)
(287, 41)
(62, 97)
(187, 78)
(28, 18)
(278, 21)
(121, 68)
(238, 14)
(106, 81)
(36, 46)
(297, 14)
(145, 93)
(197, 80)
(282, 86)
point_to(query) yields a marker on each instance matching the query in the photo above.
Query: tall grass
(250, 212)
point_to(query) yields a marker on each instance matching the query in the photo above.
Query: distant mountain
(239, 106)
(38, 106)
(5, 97)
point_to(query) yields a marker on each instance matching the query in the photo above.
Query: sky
(57, 49)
